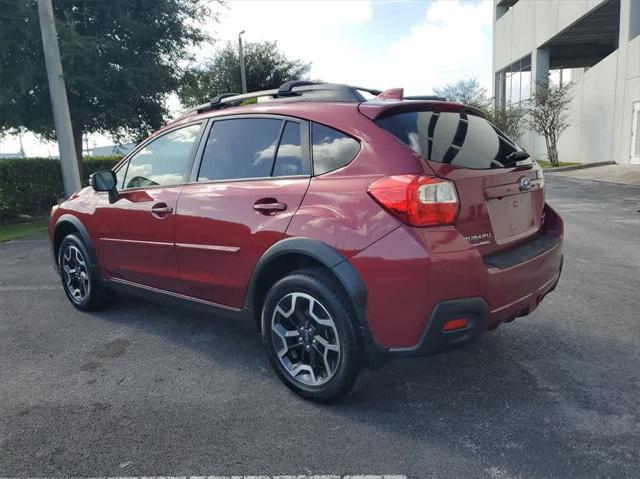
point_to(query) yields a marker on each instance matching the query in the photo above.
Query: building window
(513, 84)
(503, 7)
(560, 77)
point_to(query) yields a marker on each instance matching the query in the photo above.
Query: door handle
(270, 207)
(161, 210)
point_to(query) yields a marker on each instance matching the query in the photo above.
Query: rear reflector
(455, 324)
(417, 200)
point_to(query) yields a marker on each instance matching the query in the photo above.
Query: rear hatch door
(501, 193)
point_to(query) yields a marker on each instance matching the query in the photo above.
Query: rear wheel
(80, 280)
(309, 337)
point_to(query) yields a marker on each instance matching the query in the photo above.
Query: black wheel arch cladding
(80, 231)
(327, 256)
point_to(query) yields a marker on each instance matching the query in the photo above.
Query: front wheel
(309, 337)
(80, 280)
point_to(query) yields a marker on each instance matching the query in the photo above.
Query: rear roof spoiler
(398, 94)
(381, 108)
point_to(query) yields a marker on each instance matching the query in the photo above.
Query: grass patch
(546, 165)
(22, 230)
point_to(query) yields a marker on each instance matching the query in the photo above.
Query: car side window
(331, 149)
(163, 161)
(240, 148)
(289, 159)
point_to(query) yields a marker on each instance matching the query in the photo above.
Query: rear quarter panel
(337, 209)
(409, 271)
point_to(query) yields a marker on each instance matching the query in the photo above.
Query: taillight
(417, 200)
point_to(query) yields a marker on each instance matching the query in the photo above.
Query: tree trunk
(554, 149)
(552, 156)
(549, 152)
(77, 141)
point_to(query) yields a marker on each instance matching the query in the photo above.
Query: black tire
(323, 288)
(84, 278)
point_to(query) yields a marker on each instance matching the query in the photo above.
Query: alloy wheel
(75, 272)
(305, 339)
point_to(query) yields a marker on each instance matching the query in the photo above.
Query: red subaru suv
(352, 228)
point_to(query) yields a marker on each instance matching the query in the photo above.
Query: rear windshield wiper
(515, 157)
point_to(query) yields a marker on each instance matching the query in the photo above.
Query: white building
(593, 43)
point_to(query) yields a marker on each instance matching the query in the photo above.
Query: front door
(252, 178)
(135, 234)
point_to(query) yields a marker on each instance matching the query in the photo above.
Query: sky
(370, 43)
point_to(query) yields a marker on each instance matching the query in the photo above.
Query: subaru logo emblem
(525, 184)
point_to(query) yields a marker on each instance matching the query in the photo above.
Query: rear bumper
(480, 319)
(525, 304)
(435, 340)
(416, 281)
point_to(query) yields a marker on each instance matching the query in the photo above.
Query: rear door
(501, 201)
(251, 179)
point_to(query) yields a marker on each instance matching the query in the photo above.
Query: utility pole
(243, 78)
(21, 147)
(59, 103)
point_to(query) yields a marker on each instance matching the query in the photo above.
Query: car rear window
(331, 149)
(458, 139)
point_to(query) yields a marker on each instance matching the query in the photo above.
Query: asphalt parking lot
(151, 389)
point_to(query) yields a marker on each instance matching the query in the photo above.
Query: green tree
(120, 60)
(548, 114)
(266, 67)
(510, 119)
(468, 92)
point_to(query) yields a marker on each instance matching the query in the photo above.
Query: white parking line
(26, 241)
(30, 288)
(329, 476)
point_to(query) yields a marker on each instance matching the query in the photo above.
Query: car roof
(317, 102)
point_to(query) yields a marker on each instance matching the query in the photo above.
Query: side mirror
(105, 181)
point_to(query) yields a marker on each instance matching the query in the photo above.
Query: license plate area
(512, 217)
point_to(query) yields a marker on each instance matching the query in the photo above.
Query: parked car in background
(352, 230)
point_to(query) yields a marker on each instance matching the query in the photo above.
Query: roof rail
(225, 100)
(372, 91)
(214, 101)
(297, 90)
(286, 89)
(218, 98)
(291, 90)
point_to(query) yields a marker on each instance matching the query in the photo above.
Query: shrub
(549, 115)
(30, 186)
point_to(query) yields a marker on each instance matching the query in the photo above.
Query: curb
(579, 167)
